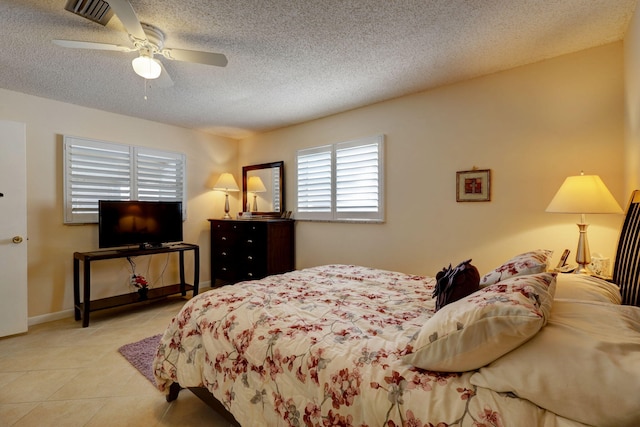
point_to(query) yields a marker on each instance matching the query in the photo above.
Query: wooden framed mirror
(263, 189)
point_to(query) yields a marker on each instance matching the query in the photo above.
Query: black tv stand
(84, 306)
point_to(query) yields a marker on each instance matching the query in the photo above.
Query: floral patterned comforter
(323, 347)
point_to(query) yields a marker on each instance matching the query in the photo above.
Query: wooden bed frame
(626, 274)
(205, 395)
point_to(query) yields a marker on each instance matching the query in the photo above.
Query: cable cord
(151, 283)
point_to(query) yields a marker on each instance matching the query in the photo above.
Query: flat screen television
(144, 224)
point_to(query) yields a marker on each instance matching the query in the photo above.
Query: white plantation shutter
(159, 175)
(314, 183)
(343, 181)
(358, 173)
(98, 170)
(94, 170)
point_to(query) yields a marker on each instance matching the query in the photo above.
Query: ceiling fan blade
(91, 45)
(164, 80)
(208, 58)
(125, 13)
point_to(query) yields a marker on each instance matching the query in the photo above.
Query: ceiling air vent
(95, 10)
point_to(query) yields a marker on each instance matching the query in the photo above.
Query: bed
(355, 346)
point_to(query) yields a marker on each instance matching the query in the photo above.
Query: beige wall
(51, 243)
(632, 116)
(532, 126)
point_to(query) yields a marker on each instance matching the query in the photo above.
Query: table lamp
(226, 183)
(255, 185)
(584, 194)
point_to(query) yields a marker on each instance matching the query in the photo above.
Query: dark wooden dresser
(250, 249)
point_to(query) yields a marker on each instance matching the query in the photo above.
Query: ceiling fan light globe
(146, 67)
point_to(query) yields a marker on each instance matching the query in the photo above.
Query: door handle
(17, 239)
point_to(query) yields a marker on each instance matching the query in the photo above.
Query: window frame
(331, 212)
(141, 162)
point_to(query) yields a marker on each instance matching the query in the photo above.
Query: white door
(13, 228)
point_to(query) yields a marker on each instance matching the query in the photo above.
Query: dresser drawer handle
(224, 254)
(249, 257)
(223, 238)
(249, 241)
(250, 274)
(224, 268)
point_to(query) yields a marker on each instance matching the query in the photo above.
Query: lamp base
(583, 256)
(226, 207)
(583, 269)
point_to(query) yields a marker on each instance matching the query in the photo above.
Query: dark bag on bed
(456, 283)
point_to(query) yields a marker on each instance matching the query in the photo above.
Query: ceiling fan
(148, 41)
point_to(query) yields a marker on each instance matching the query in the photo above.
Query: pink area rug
(140, 354)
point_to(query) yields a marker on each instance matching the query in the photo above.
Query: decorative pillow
(588, 288)
(456, 283)
(520, 265)
(481, 327)
(584, 365)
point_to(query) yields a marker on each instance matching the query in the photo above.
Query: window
(97, 170)
(342, 182)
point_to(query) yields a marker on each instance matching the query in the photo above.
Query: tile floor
(60, 374)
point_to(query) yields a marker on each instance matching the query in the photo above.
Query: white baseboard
(36, 320)
(50, 317)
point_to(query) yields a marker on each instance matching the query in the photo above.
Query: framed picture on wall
(473, 185)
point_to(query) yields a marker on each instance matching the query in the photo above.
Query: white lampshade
(584, 194)
(147, 67)
(255, 185)
(226, 182)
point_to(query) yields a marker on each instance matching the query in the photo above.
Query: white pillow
(589, 288)
(584, 365)
(475, 330)
(520, 265)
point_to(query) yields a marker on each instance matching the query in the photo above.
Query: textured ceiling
(291, 61)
